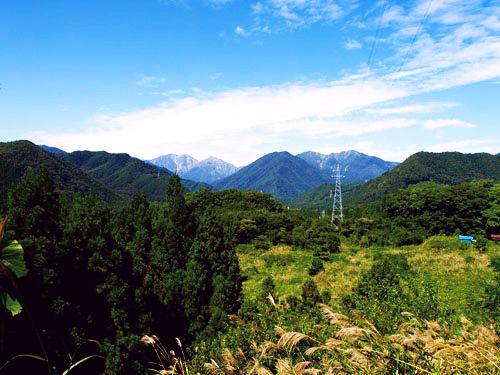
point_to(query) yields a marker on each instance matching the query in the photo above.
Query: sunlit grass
(459, 274)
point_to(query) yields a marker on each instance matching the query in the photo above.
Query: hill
(52, 150)
(281, 174)
(126, 175)
(19, 156)
(319, 198)
(355, 165)
(450, 168)
(207, 170)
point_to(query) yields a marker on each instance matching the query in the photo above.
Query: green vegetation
(12, 267)
(98, 273)
(126, 175)
(281, 174)
(319, 199)
(450, 168)
(237, 282)
(18, 157)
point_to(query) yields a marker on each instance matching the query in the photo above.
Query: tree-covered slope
(319, 198)
(19, 156)
(283, 175)
(355, 166)
(126, 175)
(450, 168)
(52, 150)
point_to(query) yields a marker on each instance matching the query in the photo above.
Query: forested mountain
(450, 168)
(283, 175)
(19, 156)
(126, 175)
(321, 198)
(208, 170)
(355, 166)
(52, 150)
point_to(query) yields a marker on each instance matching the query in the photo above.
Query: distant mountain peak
(279, 173)
(208, 170)
(355, 165)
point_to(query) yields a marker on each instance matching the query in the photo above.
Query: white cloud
(296, 13)
(240, 125)
(151, 81)
(229, 121)
(353, 44)
(257, 8)
(401, 153)
(443, 123)
(239, 30)
(412, 108)
(169, 93)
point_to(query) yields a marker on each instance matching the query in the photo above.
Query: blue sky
(238, 79)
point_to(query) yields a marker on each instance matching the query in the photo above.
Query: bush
(316, 266)
(280, 260)
(310, 293)
(262, 243)
(444, 243)
(481, 243)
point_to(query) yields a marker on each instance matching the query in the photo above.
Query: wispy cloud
(296, 13)
(240, 30)
(401, 153)
(444, 123)
(465, 49)
(420, 108)
(353, 44)
(151, 81)
(169, 93)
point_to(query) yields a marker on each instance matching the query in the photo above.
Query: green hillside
(281, 174)
(19, 156)
(319, 198)
(451, 168)
(126, 175)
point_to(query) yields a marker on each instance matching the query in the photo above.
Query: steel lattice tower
(337, 214)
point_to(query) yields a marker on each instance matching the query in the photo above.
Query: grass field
(460, 273)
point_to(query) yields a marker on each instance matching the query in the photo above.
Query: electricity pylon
(337, 214)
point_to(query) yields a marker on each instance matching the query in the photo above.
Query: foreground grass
(459, 274)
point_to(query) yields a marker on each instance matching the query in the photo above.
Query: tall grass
(355, 346)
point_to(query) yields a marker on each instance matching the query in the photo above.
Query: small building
(495, 237)
(467, 239)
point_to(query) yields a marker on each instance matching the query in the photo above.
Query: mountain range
(18, 157)
(207, 170)
(280, 173)
(355, 166)
(126, 175)
(451, 168)
(302, 180)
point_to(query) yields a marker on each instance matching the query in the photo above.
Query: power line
(386, 3)
(419, 29)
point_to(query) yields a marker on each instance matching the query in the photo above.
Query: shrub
(444, 243)
(310, 293)
(316, 266)
(262, 243)
(481, 243)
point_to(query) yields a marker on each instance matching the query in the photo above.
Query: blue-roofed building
(468, 239)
